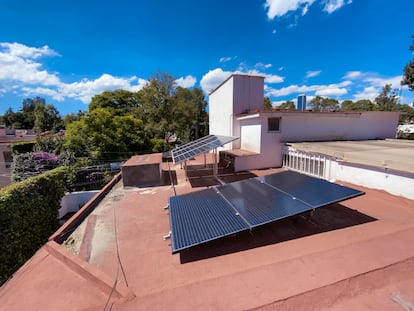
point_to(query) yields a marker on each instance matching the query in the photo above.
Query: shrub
(22, 147)
(28, 216)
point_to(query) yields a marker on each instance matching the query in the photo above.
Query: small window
(273, 124)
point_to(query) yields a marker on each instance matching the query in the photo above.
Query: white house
(269, 138)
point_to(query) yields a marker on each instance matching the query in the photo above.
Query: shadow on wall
(324, 219)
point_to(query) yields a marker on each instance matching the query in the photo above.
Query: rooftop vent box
(142, 170)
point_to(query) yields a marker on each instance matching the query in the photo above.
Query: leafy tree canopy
(35, 114)
(124, 121)
(288, 105)
(267, 104)
(408, 76)
(359, 105)
(319, 103)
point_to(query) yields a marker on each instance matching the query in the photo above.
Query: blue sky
(68, 51)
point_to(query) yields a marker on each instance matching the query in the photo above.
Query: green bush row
(28, 216)
(22, 147)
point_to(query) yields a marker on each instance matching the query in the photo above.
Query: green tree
(104, 133)
(189, 115)
(319, 103)
(408, 76)
(119, 99)
(157, 104)
(287, 105)
(360, 105)
(77, 139)
(123, 121)
(34, 114)
(387, 100)
(267, 104)
(46, 118)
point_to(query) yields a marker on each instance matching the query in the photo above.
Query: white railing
(307, 163)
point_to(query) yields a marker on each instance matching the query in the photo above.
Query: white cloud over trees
(22, 71)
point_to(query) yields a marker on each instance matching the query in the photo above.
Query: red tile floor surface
(355, 255)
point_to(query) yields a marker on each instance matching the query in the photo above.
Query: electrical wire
(119, 265)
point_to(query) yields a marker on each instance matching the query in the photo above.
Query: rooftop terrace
(352, 255)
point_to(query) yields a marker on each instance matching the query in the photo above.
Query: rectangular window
(273, 124)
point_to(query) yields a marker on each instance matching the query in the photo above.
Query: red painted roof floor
(354, 255)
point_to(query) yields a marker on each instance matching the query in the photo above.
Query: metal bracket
(167, 237)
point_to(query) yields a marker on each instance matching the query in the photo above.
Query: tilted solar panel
(259, 203)
(310, 190)
(210, 214)
(200, 217)
(199, 146)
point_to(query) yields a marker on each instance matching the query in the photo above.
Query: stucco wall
(221, 110)
(248, 93)
(313, 126)
(237, 94)
(73, 201)
(375, 178)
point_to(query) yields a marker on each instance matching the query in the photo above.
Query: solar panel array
(199, 146)
(210, 214)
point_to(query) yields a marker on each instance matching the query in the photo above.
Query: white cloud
(369, 85)
(336, 89)
(305, 9)
(312, 74)
(227, 59)
(381, 82)
(86, 89)
(369, 92)
(278, 8)
(18, 66)
(353, 75)
(213, 78)
(21, 71)
(19, 50)
(333, 5)
(269, 78)
(263, 66)
(331, 91)
(186, 82)
(56, 95)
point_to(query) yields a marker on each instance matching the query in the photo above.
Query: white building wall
(248, 93)
(396, 183)
(314, 126)
(73, 201)
(221, 109)
(250, 137)
(374, 178)
(238, 94)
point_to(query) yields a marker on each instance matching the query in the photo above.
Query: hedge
(22, 147)
(28, 216)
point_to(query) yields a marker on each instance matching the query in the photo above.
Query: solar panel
(200, 217)
(259, 203)
(313, 191)
(210, 214)
(199, 146)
